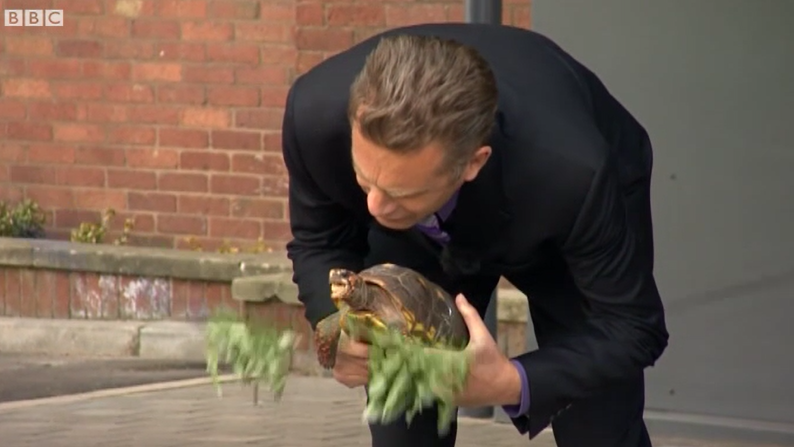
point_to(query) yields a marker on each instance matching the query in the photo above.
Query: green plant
(405, 376)
(25, 220)
(94, 233)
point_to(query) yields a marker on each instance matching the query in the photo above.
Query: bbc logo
(33, 17)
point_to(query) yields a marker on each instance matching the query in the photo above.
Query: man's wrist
(509, 386)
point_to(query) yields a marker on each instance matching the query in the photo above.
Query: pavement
(314, 412)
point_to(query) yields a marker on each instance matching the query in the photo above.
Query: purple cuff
(515, 411)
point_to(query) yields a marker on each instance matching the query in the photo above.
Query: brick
(132, 135)
(151, 201)
(51, 196)
(181, 94)
(63, 295)
(56, 111)
(323, 39)
(258, 119)
(276, 231)
(155, 29)
(152, 158)
(171, 181)
(235, 54)
(28, 45)
(233, 9)
(266, 164)
(94, 296)
(263, 32)
(106, 113)
(28, 131)
(205, 205)
(70, 218)
(233, 139)
(186, 138)
(89, 133)
(128, 179)
(59, 154)
(13, 292)
(12, 110)
(208, 75)
(27, 285)
(141, 221)
(103, 28)
(100, 199)
(235, 185)
(310, 14)
(79, 48)
(78, 90)
(80, 176)
(99, 156)
(273, 96)
(157, 72)
(45, 290)
(189, 52)
(204, 161)
(80, 7)
(11, 66)
(233, 96)
(33, 174)
(119, 92)
(275, 186)
(245, 207)
(262, 75)
(206, 117)
(234, 228)
(107, 70)
(355, 15)
(55, 69)
(278, 54)
(13, 152)
(154, 115)
(207, 31)
(129, 49)
(175, 224)
(26, 88)
(398, 15)
(190, 9)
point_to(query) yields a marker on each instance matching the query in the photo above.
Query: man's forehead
(403, 188)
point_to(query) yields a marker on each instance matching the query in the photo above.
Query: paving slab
(314, 412)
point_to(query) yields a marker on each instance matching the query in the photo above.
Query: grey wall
(713, 81)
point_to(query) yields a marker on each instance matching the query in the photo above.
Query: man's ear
(476, 162)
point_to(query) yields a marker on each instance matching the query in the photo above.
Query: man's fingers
(471, 317)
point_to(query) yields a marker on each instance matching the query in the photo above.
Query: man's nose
(380, 204)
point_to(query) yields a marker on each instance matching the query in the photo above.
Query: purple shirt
(431, 228)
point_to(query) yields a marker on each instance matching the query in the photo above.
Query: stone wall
(169, 111)
(63, 281)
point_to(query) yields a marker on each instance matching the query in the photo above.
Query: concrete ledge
(263, 288)
(140, 261)
(172, 340)
(69, 337)
(512, 306)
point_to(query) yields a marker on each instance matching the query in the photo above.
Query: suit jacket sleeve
(625, 331)
(325, 235)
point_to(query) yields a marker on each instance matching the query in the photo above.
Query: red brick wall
(170, 110)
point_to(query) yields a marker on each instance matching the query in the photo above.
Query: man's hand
(351, 368)
(492, 379)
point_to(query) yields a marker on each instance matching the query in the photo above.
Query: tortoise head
(347, 288)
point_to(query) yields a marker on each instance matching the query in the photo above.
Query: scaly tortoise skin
(388, 295)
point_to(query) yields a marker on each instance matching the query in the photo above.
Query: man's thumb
(470, 316)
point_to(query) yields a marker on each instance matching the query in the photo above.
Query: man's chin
(395, 225)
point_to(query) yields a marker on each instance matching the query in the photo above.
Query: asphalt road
(31, 376)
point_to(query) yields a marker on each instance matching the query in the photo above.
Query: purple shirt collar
(431, 226)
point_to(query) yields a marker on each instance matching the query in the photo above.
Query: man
(470, 152)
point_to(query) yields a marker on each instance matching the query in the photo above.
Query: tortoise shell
(388, 295)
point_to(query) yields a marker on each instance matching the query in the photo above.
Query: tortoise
(388, 295)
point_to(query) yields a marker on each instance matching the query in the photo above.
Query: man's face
(403, 189)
